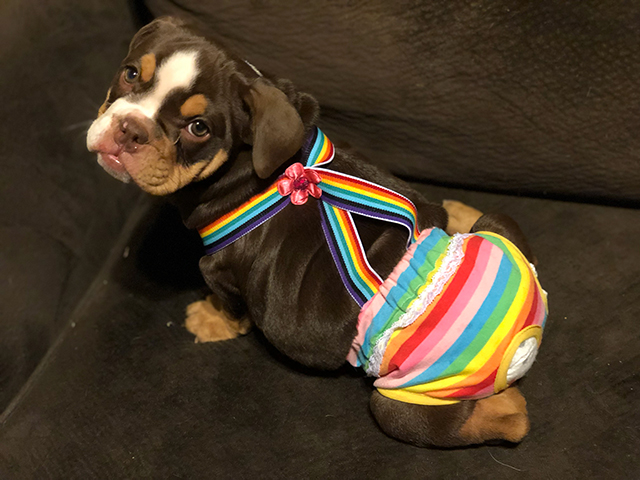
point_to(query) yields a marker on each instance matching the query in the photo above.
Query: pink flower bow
(299, 182)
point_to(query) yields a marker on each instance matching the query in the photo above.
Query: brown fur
(209, 322)
(147, 66)
(501, 416)
(194, 105)
(214, 164)
(461, 219)
(160, 174)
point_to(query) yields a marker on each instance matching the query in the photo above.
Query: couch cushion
(59, 212)
(538, 98)
(127, 393)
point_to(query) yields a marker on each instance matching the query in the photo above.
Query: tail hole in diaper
(518, 357)
(523, 359)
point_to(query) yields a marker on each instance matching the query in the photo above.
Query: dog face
(178, 106)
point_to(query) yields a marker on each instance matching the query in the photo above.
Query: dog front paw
(209, 324)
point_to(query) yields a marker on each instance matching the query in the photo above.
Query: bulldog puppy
(187, 118)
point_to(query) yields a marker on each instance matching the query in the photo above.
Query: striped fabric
(342, 195)
(318, 150)
(446, 323)
(360, 280)
(366, 198)
(237, 223)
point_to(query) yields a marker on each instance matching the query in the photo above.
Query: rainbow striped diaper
(459, 318)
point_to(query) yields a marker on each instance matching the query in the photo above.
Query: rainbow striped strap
(318, 149)
(360, 280)
(237, 223)
(368, 199)
(355, 194)
(342, 195)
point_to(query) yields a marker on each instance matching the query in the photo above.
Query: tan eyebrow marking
(147, 66)
(194, 105)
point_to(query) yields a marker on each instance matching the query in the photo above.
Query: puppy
(187, 118)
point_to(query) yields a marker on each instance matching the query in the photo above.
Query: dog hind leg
(500, 417)
(461, 216)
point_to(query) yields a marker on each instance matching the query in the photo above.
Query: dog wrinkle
(213, 165)
(147, 67)
(161, 178)
(172, 178)
(194, 105)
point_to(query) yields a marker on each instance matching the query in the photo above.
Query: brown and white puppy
(185, 117)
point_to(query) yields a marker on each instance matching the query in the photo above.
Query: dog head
(180, 104)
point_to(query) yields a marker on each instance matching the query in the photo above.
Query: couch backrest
(536, 98)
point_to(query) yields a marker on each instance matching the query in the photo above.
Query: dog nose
(131, 134)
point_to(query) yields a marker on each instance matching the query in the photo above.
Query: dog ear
(277, 129)
(151, 28)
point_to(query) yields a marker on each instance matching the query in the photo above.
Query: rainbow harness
(341, 195)
(458, 318)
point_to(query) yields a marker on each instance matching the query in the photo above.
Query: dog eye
(130, 74)
(198, 128)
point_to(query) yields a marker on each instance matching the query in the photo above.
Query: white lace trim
(450, 263)
(535, 272)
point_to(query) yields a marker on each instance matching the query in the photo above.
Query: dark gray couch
(99, 378)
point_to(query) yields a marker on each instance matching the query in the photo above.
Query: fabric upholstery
(59, 213)
(536, 98)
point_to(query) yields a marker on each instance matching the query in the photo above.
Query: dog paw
(211, 325)
(500, 417)
(461, 216)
